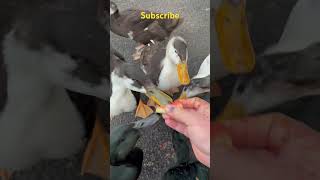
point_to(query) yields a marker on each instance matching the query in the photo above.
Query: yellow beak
(233, 37)
(159, 97)
(232, 111)
(183, 74)
(183, 95)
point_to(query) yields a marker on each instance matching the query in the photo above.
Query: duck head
(197, 86)
(177, 53)
(133, 78)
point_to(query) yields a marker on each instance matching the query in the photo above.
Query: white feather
(39, 120)
(122, 100)
(204, 69)
(130, 34)
(168, 77)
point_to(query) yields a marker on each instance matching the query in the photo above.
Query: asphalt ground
(155, 142)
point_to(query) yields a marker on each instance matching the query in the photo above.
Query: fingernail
(170, 108)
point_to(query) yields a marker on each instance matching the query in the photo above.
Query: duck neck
(168, 65)
(168, 77)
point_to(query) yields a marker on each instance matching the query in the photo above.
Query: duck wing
(116, 59)
(143, 30)
(152, 32)
(129, 20)
(151, 60)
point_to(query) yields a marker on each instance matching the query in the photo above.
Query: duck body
(34, 111)
(129, 24)
(127, 80)
(160, 62)
(122, 99)
(301, 29)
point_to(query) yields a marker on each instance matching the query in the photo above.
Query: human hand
(191, 117)
(271, 146)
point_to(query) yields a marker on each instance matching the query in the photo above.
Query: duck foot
(96, 156)
(233, 37)
(143, 110)
(5, 175)
(137, 55)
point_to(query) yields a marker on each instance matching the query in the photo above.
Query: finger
(265, 131)
(181, 128)
(226, 157)
(185, 116)
(193, 103)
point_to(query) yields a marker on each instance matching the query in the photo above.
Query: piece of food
(162, 109)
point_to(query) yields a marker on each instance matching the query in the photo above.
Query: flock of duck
(43, 55)
(156, 72)
(54, 73)
(159, 66)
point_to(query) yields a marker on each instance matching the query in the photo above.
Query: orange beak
(183, 74)
(233, 37)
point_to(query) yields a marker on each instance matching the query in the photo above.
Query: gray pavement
(156, 141)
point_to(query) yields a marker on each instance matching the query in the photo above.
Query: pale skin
(271, 146)
(193, 120)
